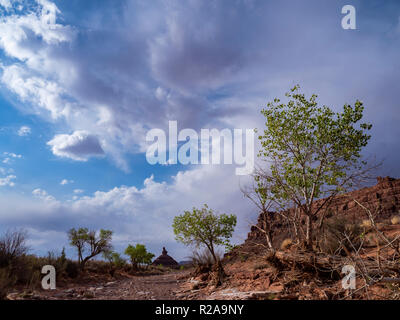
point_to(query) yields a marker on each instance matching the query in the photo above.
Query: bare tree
(12, 246)
(256, 194)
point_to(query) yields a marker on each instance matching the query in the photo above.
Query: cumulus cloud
(135, 214)
(204, 64)
(13, 155)
(6, 4)
(9, 156)
(43, 195)
(7, 181)
(24, 131)
(200, 63)
(78, 146)
(66, 181)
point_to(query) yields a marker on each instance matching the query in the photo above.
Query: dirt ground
(154, 287)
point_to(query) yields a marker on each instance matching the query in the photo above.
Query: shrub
(6, 281)
(395, 220)
(12, 247)
(71, 269)
(59, 262)
(338, 236)
(115, 259)
(204, 258)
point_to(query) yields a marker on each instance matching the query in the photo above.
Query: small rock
(12, 296)
(195, 286)
(110, 283)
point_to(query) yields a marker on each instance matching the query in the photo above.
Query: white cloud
(7, 181)
(137, 214)
(43, 195)
(5, 171)
(6, 4)
(79, 191)
(24, 131)
(66, 181)
(114, 97)
(9, 156)
(12, 155)
(80, 146)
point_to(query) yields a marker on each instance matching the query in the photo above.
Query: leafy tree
(139, 255)
(313, 153)
(114, 258)
(87, 241)
(204, 227)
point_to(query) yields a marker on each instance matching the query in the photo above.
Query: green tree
(204, 227)
(139, 255)
(313, 153)
(89, 242)
(114, 258)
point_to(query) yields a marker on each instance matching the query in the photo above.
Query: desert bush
(395, 220)
(12, 247)
(72, 269)
(58, 261)
(35, 280)
(204, 258)
(338, 236)
(286, 244)
(6, 282)
(115, 259)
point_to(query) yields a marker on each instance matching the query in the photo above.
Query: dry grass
(287, 243)
(366, 224)
(395, 220)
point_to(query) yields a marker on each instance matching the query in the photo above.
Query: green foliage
(204, 227)
(85, 240)
(313, 152)
(114, 258)
(139, 255)
(312, 147)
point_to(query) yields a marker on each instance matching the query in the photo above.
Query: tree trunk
(308, 232)
(213, 254)
(268, 235)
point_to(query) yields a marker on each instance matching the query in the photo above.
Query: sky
(82, 82)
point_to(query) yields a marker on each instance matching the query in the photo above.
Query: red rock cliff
(385, 195)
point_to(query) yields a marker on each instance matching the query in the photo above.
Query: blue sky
(81, 83)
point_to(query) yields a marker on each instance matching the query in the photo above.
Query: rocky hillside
(383, 197)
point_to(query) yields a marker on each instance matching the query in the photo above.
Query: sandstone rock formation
(383, 198)
(165, 260)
